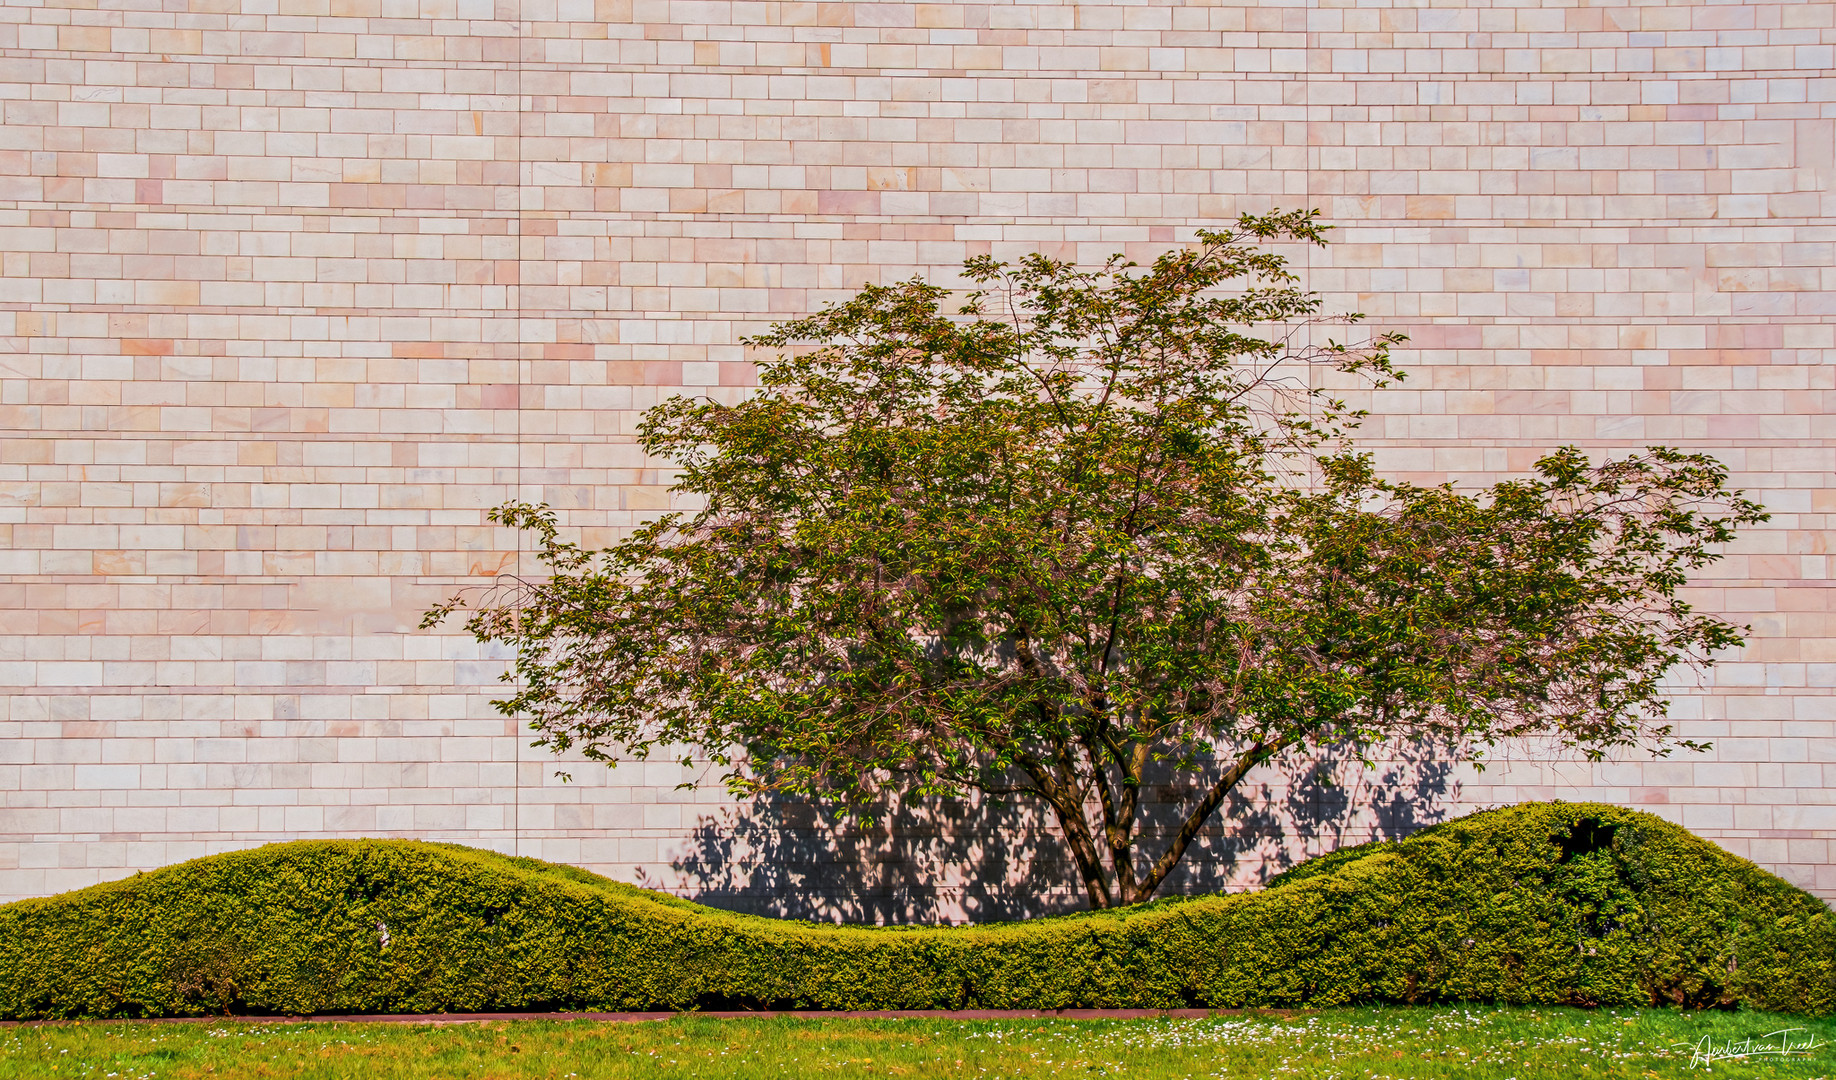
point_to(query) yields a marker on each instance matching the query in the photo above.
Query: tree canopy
(1094, 523)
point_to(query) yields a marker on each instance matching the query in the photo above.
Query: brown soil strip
(640, 1017)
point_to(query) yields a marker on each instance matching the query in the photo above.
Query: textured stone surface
(290, 293)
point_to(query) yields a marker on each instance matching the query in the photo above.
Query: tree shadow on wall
(981, 860)
(906, 861)
(1298, 808)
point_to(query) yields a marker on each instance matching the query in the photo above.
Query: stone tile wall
(290, 293)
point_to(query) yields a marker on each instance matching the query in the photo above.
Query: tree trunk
(1116, 885)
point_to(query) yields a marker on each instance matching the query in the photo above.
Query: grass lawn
(1478, 1042)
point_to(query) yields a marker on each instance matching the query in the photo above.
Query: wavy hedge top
(1546, 902)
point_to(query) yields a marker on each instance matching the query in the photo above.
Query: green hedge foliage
(1571, 903)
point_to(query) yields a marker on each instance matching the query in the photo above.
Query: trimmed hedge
(1571, 903)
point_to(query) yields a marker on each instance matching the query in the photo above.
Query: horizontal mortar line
(261, 213)
(214, 581)
(1532, 441)
(520, 215)
(437, 213)
(533, 310)
(495, 438)
(225, 580)
(1071, 220)
(651, 315)
(1538, 234)
(166, 60)
(296, 209)
(1148, 74)
(531, 441)
(553, 67)
(1540, 321)
(493, 687)
(1140, 74)
(641, 315)
(74, 345)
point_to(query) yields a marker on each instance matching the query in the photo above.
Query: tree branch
(1195, 821)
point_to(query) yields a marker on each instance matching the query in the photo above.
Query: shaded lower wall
(928, 860)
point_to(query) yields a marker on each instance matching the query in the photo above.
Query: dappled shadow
(913, 861)
(1299, 807)
(947, 860)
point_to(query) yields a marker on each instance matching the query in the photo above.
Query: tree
(1094, 524)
